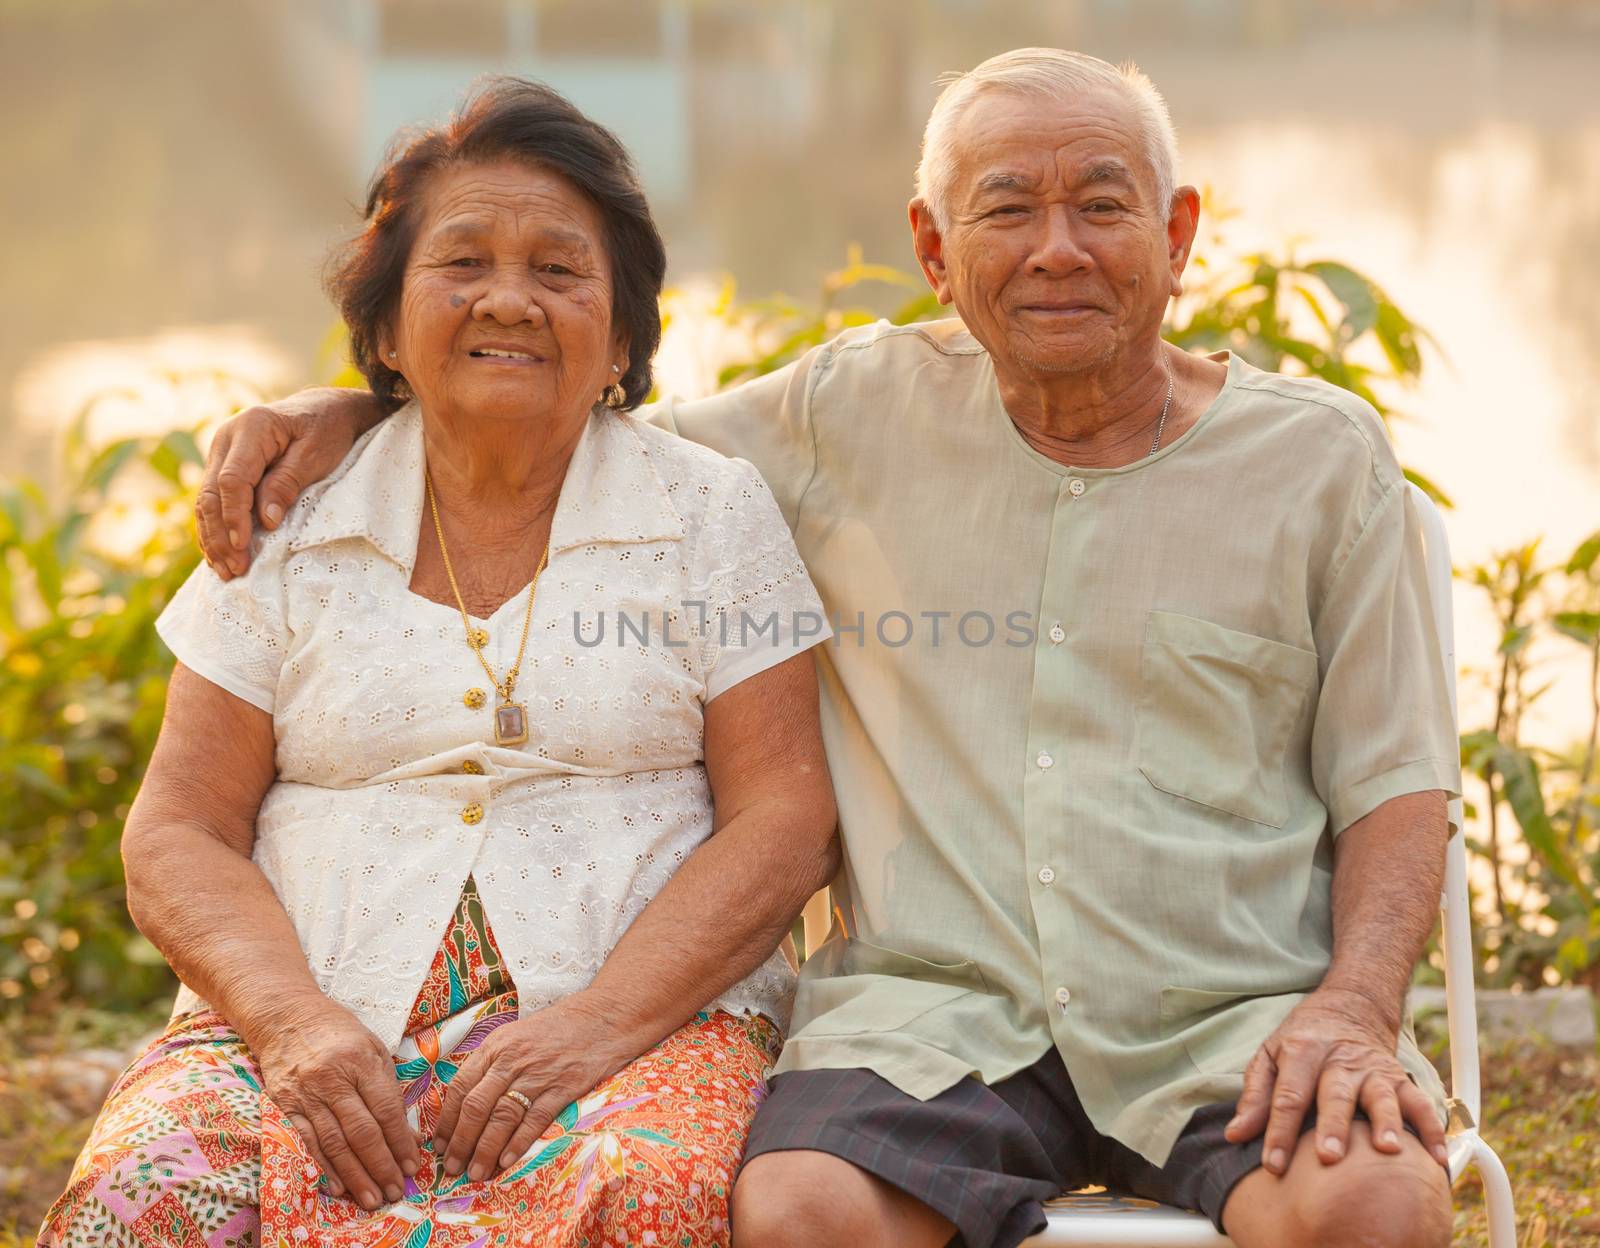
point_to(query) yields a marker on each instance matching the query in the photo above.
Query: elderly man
(1139, 733)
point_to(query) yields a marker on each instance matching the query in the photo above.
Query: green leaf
(182, 444)
(1477, 749)
(1582, 626)
(1315, 304)
(108, 462)
(166, 464)
(67, 533)
(1583, 558)
(1520, 776)
(1356, 293)
(925, 307)
(1573, 956)
(1398, 338)
(1516, 639)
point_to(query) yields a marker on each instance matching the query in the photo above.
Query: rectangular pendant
(510, 723)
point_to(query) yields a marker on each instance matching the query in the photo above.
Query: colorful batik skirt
(189, 1152)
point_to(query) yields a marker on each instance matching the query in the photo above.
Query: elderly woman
(477, 815)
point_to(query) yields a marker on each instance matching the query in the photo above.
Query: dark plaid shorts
(987, 1157)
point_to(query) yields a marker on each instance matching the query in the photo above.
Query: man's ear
(1182, 226)
(928, 240)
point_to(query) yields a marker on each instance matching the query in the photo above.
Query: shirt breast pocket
(1217, 711)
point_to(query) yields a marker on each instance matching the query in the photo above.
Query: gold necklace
(510, 718)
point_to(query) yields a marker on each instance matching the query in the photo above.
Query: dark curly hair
(502, 118)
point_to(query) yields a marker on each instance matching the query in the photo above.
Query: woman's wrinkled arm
(195, 892)
(774, 844)
(192, 888)
(720, 916)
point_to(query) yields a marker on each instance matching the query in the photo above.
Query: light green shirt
(1093, 803)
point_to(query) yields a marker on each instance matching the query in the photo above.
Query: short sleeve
(766, 421)
(756, 603)
(1383, 726)
(234, 633)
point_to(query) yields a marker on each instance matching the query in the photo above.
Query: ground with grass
(1541, 1112)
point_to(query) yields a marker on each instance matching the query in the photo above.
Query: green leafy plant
(82, 579)
(1544, 909)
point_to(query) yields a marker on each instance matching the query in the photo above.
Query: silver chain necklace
(1162, 423)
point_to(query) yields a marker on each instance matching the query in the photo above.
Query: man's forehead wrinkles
(1043, 146)
(1055, 167)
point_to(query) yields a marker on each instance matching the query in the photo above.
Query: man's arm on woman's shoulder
(262, 459)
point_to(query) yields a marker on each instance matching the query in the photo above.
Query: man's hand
(263, 458)
(551, 1058)
(1336, 1051)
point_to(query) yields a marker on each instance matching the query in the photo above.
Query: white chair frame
(1108, 1221)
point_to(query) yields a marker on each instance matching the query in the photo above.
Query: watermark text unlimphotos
(974, 629)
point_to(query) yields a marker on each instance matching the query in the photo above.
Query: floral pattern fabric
(189, 1152)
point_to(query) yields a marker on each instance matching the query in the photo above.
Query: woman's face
(506, 308)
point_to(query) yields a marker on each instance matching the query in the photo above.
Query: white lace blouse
(672, 577)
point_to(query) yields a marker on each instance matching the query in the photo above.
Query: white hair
(1048, 73)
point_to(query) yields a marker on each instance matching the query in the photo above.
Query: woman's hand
(336, 1083)
(552, 1058)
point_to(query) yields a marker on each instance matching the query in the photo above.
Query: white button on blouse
(390, 787)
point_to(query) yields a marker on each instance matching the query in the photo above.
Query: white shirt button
(1045, 761)
(1075, 487)
(1047, 875)
(1063, 996)
(1057, 633)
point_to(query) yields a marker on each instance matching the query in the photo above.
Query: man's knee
(1368, 1200)
(798, 1198)
(1378, 1202)
(802, 1198)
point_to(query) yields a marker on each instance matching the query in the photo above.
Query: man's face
(1056, 252)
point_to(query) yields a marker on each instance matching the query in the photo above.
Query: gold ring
(520, 1099)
